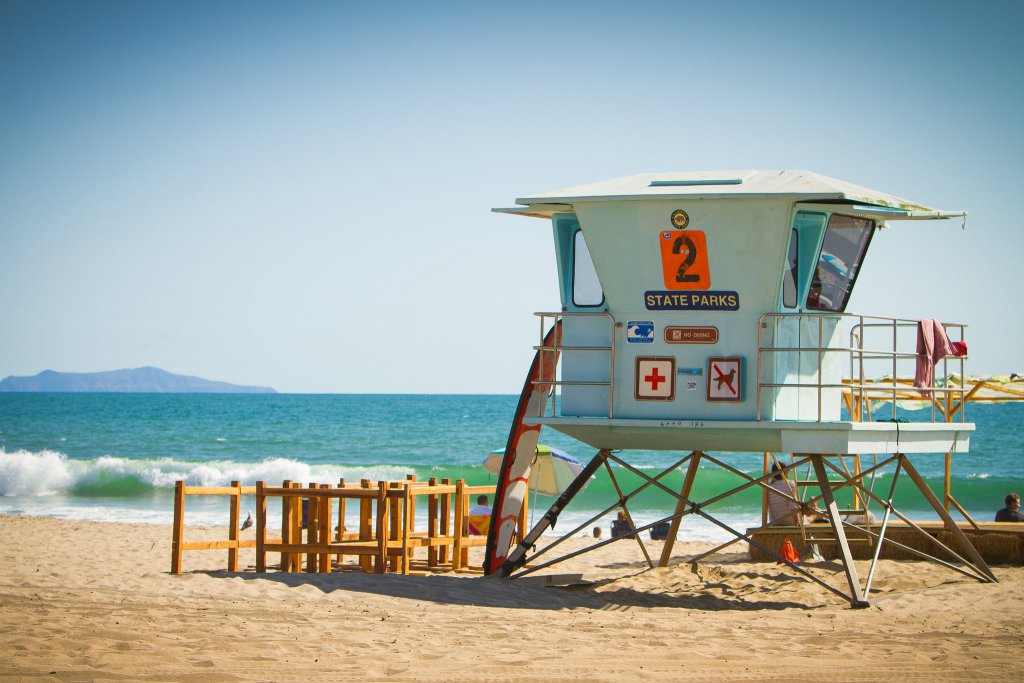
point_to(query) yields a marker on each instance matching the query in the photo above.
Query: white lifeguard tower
(707, 313)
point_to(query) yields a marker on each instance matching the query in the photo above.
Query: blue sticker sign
(640, 332)
(692, 301)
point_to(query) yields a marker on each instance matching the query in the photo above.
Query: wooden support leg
(517, 557)
(446, 511)
(629, 517)
(962, 540)
(684, 493)
(856, 595)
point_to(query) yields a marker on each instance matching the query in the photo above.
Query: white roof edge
(531, 201)
(679, 186)
(535, 210)
(884, 213)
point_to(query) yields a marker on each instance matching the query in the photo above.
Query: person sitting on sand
(480, 517)
(782, 506)
(1011, 513)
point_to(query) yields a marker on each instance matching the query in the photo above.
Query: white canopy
(803, 186)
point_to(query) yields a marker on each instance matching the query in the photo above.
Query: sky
(298, 194)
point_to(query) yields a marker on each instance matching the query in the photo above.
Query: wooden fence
(178, 543)
(383, 537)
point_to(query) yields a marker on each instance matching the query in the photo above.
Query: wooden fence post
(296, 521)
(236, 512)
(261, 528)
(395, 523)
(460, 522)
(178, 533)
(325, 518)
(365, 526)
(312, 527)
(407, 510)
(286, 526)
(446, 509)
(340, 531)
(432, 525)
(382, 527)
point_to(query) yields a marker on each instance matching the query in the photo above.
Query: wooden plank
(210, 490)
(350, 548)
(217, 545)
(298, 492)
(178, 530)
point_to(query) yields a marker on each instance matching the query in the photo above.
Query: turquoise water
(116, 456)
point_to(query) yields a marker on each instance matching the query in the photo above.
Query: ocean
(115, 457)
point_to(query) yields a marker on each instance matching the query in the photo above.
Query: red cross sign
(655, 378)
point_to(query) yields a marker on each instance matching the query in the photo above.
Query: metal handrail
(864, 388)
(560, 348)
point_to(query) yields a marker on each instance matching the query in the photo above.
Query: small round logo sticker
(680, 219)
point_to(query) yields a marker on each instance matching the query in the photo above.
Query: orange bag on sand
(788, 552)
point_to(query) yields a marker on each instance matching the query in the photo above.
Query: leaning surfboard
(514, 476)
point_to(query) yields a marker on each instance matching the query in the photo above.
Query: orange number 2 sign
(684, 259)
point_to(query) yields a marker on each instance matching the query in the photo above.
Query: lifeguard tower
(706, 313)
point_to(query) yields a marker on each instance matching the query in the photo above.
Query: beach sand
(84, 601)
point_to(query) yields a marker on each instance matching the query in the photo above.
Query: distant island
(139, 380)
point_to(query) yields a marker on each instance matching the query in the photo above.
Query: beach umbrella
(552, 470)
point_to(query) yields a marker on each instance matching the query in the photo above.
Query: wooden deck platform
(997, 542)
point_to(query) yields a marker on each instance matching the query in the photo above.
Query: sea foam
(44, 473)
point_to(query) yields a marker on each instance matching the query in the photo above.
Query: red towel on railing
(932, 346)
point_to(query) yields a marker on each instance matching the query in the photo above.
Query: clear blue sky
(298, 194)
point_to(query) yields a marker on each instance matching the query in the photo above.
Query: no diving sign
(725, 379)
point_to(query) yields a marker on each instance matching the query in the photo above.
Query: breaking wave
(43, 473)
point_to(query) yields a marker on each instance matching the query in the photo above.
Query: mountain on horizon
(138, 380)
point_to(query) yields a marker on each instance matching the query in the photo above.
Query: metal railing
(858, 388)
(558, 347)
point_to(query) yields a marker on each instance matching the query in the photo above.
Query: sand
(84, 601)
